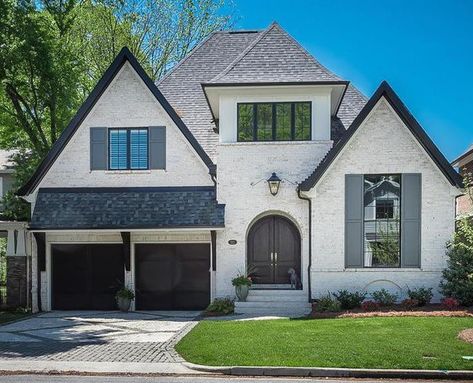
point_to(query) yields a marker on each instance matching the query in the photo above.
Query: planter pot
(242, 292)
(123, 304)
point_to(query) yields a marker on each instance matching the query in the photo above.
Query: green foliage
(3, 261)
(52, 53)
(384, 297)
(349, 300)
(422, 295)
(125, 293)
(385, 249)
(458, 276)
(223, 306)
(241, 280)
(327, 304)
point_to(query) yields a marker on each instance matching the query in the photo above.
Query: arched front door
(274, 246)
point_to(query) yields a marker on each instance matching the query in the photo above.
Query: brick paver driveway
(97, 336)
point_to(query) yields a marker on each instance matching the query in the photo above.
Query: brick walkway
(97, 336)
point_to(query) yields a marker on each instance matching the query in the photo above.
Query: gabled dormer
(274, 91)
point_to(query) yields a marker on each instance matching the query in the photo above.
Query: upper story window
(128, 149)
(382, 220)
(282, 121)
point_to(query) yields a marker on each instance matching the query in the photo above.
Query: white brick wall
(127, 103)
(240, 165)
(381, 145)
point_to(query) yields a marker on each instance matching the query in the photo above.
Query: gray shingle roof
(182, 85)
(245, 56)
(127, 208)
(274, 57)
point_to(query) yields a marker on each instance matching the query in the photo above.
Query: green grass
(417, 343)
(8, 316)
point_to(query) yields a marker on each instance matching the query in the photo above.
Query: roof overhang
(464, 159)
(213, 91)
(384, 90)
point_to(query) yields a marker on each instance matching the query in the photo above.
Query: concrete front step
(276, 298)
(270, 304)
(281, 292)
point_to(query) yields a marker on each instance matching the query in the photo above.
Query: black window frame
(273, 122)
(399, 265)
(128, 148)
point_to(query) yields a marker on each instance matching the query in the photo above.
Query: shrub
(125, 293)
(458, 276)
(384, 297)
(327, 304)
(223, 306)
(349, 300)
(450, 303)
(370, 306)
(241, 280)
(421, 294)
(409, 304)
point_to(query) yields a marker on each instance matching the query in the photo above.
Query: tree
(52, 52)
(458, 276)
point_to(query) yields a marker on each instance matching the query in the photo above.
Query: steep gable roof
(124, 56)
(182, 85)
(388, 93)
(459, 159)
(274, 57)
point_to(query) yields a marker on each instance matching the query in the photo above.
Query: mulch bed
(466, 335)
(395, 311)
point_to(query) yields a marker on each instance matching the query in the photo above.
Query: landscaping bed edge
(331, 372)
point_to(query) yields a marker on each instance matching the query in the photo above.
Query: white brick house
(163, 188)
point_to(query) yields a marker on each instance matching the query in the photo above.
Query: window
(286, 121)
(382, 213)
(128, 149)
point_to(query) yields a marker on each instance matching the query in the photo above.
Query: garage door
(86, 277)
(172, 276)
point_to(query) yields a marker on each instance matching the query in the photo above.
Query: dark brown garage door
(172, 276)
(86, 277)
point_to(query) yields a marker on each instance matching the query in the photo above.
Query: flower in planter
(450, 303)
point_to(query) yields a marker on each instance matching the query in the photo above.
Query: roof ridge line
(186, 57)
(243, 54)
(305, 51)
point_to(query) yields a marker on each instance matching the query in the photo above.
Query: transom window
(128, 148)
(382, 214)
(282, 121)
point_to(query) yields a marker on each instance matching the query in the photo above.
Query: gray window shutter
(411, 203)
(98, 148)
(353, 220)
(157, 147)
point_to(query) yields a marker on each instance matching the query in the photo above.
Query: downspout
(310, 241)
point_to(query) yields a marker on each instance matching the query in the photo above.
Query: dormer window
(280, 121)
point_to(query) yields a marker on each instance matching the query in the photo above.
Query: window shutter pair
(411, 191)
(99, 148)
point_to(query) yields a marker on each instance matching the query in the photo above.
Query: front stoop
(290, 303)
(325, 372)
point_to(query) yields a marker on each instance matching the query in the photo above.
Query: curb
(333, 372)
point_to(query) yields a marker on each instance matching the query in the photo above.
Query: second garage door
(172, 276)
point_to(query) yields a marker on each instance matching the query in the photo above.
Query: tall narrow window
(282, 121)
(382, 213)
(128, 149)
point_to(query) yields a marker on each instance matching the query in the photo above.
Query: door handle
(272, 257)
(275, 257)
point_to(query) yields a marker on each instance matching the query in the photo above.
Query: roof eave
(385, 90)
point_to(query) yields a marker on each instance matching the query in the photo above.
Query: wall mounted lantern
(273, 182)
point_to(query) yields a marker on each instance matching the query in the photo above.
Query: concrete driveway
(85, 336)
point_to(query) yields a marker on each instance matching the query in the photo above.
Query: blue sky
(424, 49)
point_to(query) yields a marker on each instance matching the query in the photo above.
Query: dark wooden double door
(274, 246)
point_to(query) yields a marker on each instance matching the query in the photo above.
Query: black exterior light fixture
(273, 182)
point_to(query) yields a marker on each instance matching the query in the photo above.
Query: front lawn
(407, 342)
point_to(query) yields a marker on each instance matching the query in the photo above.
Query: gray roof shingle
(127, 208)
(274, 57)
(246, 56)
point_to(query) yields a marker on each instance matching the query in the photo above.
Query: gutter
(309, 205)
